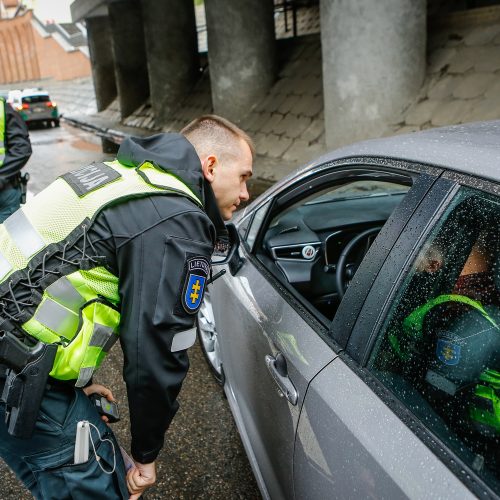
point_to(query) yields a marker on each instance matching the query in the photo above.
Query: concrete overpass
(373, 57)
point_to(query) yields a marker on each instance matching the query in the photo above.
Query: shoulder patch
(87, 179)
(196, 275)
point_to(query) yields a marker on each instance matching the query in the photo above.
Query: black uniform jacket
(146, 242)
(17, 144)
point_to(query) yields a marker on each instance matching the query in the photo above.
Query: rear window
(32, 99)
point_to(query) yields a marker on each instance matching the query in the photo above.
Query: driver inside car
(451, 343)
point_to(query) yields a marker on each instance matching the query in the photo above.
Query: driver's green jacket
(77, 302)
(413, 324)
(484, 407)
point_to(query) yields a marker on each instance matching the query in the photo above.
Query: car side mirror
(232, 258)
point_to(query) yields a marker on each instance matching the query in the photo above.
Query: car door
(273, 343)
(408, 409)
(255, 329)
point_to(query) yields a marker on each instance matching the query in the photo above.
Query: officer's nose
(244, 194)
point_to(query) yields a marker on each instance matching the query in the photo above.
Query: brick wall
(18, 56)
(29, 54)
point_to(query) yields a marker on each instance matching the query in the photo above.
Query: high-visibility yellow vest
(79, 310)
(2, 131)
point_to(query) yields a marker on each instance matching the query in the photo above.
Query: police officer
(115, 250)
(15, 151)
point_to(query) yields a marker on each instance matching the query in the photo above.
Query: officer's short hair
(214, 132)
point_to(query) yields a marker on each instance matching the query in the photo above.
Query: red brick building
(30, 52)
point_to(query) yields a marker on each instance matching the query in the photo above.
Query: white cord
(97, 457)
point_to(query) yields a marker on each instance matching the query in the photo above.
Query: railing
(287, 6)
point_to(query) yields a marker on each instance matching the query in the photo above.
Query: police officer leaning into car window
(15, 151)
(117, 250)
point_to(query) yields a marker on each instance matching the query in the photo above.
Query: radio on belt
(104, 407)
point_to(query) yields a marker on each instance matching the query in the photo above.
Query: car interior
(315, 241)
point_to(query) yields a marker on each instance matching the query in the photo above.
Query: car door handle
(278, 370)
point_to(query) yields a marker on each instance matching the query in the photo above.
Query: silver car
(356, 332)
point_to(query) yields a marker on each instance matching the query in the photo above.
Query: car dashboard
(305, 242)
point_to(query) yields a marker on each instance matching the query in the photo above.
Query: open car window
(303, 241)
(439, 349)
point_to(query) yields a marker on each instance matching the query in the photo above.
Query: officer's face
(228, 176)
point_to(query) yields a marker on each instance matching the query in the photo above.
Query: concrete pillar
(125, 18)
(101, 59)
(373, 64)
(241, 53)
(172, 53)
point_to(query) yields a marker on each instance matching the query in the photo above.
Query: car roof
(27, 92)
(471, 148)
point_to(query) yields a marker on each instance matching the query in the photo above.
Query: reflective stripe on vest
(79, 310)
(2, 131)
(413, 324)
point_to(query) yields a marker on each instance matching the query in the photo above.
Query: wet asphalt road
(203, 456)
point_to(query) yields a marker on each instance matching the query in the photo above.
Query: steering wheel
(341, 268)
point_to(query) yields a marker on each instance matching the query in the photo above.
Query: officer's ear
(208, 167)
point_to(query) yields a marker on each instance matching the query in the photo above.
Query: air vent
(305, 251)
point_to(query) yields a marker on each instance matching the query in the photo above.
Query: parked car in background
(356, 331)
(34, 106)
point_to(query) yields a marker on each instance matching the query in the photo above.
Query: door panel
(260, 324)
(349, 442)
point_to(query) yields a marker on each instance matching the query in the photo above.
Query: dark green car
(35, 106)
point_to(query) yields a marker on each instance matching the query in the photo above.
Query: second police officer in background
(15, 151)
(116, 250)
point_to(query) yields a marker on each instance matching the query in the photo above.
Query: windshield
(32, 99)
(359, 189)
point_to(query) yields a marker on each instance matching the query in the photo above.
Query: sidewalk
(107, 129)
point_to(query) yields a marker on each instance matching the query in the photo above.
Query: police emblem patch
(198, 269)
(447, 352)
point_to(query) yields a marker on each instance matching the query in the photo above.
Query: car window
(439, 349)
(359, 189)
(32, 99)
(303, 242)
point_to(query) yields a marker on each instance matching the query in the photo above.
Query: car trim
(245, 439)
(472, 182)
(386, 283)
(368, 271)
(377, 161)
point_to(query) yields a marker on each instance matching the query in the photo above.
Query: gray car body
(342, 439)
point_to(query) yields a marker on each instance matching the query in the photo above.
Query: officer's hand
(139, 478)
(103, 391)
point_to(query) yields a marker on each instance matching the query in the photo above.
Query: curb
(110, 134)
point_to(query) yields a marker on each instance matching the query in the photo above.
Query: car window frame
(424, 176)
(369, 327)
(251, 223)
